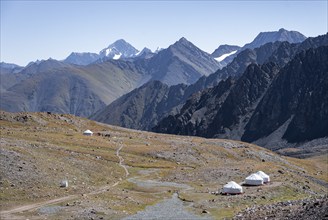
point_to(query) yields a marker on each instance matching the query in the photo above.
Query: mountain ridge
(302, 115)
(272, 56)
(266, 37)
(101, 82)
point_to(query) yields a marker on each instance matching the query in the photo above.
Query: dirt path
(121, 163)
(9, 214)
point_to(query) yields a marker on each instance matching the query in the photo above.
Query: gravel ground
(309, 209)
(168, 209)
(50, 209)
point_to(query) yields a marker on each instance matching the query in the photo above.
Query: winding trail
(9, 214)
(121, 163)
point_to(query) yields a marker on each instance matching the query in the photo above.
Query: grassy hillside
(70, 89)
(38, 150)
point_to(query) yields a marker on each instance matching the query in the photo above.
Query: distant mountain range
(264, 38)
(234, 69)
(223, 104)
(82, 58)
(63, 87)
(120, 49)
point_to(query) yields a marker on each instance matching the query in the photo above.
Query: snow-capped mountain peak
(119, 49)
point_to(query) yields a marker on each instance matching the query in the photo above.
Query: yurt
(88, 133)
(264, 176)
(254, 180)
(64, 183)
(232, 188)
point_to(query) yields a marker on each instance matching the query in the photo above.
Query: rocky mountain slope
(117, 172)
(265, 104)
(298, 97)
(142, 108)
(82, 90)
(134, 101)
(181, 62)
(278, 53)
(216, 109)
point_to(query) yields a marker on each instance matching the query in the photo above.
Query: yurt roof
(233, 185)
(262, 174)
(254, 176)
(88, 132)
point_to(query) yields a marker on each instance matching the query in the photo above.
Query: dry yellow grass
(38, 150)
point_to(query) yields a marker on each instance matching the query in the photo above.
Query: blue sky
(32, 30)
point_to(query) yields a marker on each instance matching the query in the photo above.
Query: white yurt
(88, 133)
(265, 177)
(232, 188)
(254, 180)
(64, 183)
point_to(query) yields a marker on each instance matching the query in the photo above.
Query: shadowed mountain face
(269, 59)
(298, 95)
(142, 108)
(267, 102)
(234, 69)
(214, 111)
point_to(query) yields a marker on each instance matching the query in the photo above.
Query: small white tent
(64, 183)
(254, 180)
(264, 176)
(232, 188)
(88, 133)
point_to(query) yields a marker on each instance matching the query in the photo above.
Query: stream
(171, 208)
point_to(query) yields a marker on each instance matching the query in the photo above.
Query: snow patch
(137, 54)
(108, 50)
(117, 56)
(222, 57)
(158, 49)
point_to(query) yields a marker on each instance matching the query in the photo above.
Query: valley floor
(125, 174)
